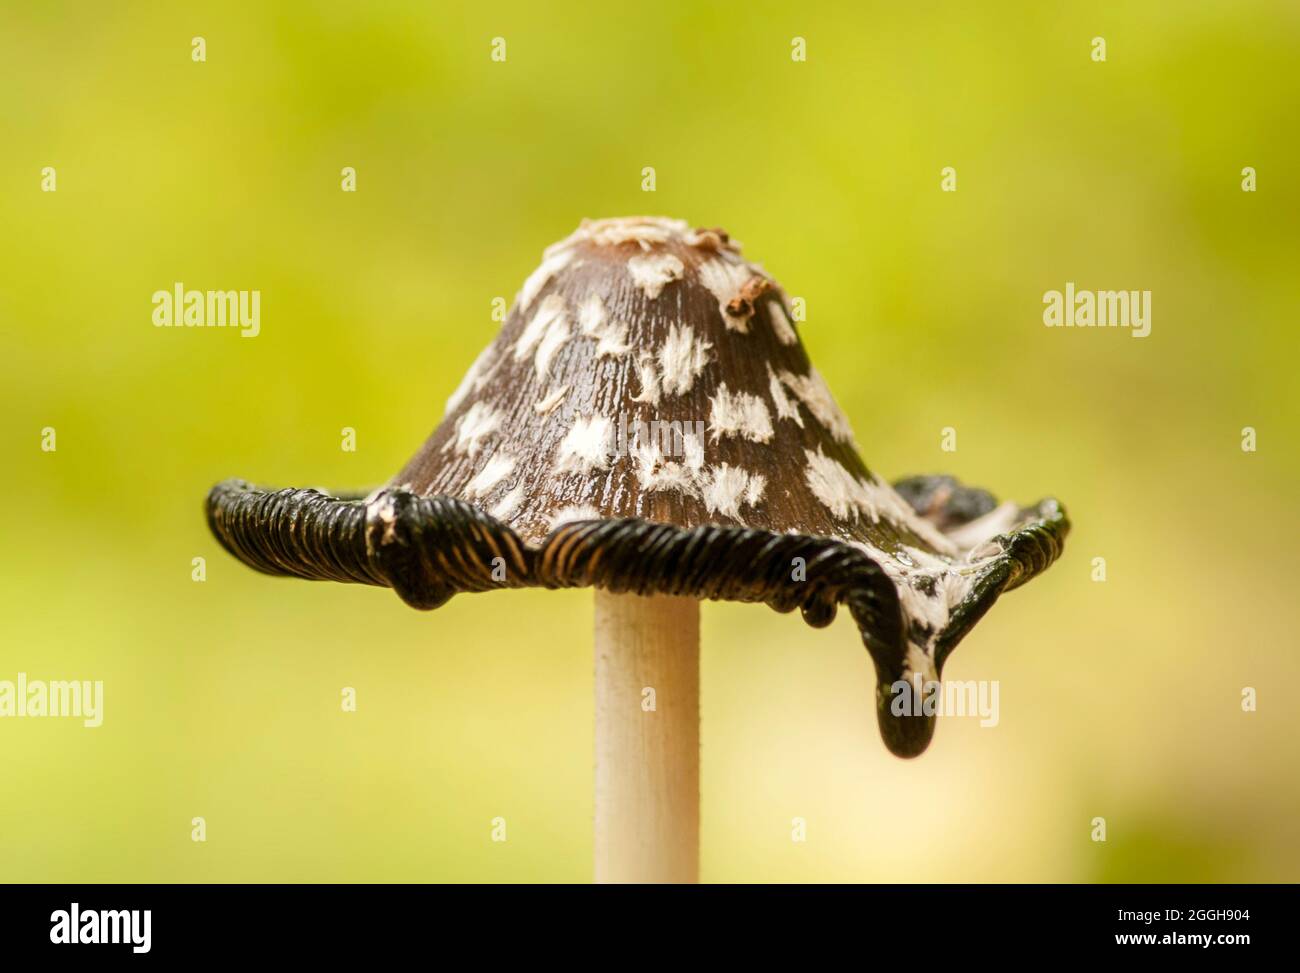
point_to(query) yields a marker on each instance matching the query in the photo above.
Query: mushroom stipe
(758, 495)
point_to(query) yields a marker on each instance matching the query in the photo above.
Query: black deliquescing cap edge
(430, 548)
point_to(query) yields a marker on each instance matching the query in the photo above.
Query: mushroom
(648, 424)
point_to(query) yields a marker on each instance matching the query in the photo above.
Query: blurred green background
(1118, 699)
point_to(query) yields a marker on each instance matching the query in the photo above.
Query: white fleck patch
(508, 504)
(546, 405)
(785, 332)
(754, 490)
(885, 500)
(497, 468)
(654, 474)
(953, 587)
(381, 509)
(474, 378)
(918, 662)
(613, 341)
(585, 447)
(682, 358)
(592, 315)
(654, 271)
(725, 279)
(978, 532)
(707, 239)
(594, 322)
(929, 611)
(785, 409)
(725, 487)
(647, 458)
(478, 423)
(925, 559)
(812, 391)
(832, 484)
(740, 414)
(552, 263)
(645, 369)
(912, 570)
(548, 313)
(687, 475)
(642, 230)
(569, 515)
(693, 453)
(985, 552)
(554, 339)
(897, 569)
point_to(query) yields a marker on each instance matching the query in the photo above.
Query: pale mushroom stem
(647, 738)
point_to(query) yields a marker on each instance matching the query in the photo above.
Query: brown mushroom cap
(648, 420)
(649, 371)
